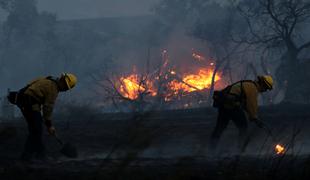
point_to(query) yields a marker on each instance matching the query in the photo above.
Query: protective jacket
(248, 92)
(44, 91)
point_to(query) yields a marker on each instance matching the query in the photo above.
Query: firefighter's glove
(259, 123)
(51, 130)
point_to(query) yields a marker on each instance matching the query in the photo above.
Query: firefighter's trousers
(34, 147)
(238, 116)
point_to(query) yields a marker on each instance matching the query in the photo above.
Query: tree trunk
(209, 100)
(289, 76)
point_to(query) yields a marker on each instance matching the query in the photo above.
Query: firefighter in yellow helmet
(238, 102)
(40, 96)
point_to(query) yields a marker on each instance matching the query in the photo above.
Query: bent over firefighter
(238, 102)
(40, 95)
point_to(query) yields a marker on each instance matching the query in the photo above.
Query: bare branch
(269, 6)
(304, 46)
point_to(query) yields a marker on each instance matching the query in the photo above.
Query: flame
(194, 82)
(279, 149)
(131, 87)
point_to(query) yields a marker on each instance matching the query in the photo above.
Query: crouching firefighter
(238, 102)
(40, 95)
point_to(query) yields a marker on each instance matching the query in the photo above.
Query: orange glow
(194, 82)
(279, 149)
(131, 87)
(175, 83)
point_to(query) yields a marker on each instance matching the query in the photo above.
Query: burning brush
(279, 149)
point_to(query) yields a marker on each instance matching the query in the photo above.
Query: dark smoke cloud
(81, 9)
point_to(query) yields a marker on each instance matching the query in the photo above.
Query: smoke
(82, 9)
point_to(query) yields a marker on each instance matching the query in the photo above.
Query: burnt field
(163, 145)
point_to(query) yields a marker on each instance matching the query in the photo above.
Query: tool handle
(267, 129)
(58, 139)
(269, 132)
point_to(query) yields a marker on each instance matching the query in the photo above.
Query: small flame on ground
(279, 149)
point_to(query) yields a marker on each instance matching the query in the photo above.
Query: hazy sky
(77, 9)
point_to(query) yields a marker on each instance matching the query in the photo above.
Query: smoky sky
(83, 9)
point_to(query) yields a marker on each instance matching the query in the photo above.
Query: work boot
(243, 143)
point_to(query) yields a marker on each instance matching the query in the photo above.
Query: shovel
(266, 128)
(68, 149)
(268, 131)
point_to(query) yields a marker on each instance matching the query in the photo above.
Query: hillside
(174, 139)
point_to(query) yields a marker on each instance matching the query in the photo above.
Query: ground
(163, 145)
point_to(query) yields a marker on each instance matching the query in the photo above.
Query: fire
(279, 149)
(194, 82)
(200, 81)
(131, 87)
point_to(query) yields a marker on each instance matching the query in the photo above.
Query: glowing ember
(193, 82)
(279, 149)
(131, 87)
(165, 58)
(198, 57)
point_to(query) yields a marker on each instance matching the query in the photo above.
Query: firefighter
(238, 102)
(40, 95)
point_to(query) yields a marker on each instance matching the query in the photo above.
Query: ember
(198, 57)
(279, 149)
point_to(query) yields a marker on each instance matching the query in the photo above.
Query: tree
(214, 26)
(27, 32)
(208, 22)
(277, 26)
(21, 18)
(123, 92)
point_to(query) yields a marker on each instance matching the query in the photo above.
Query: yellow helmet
(70, 80)
(267, 80)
